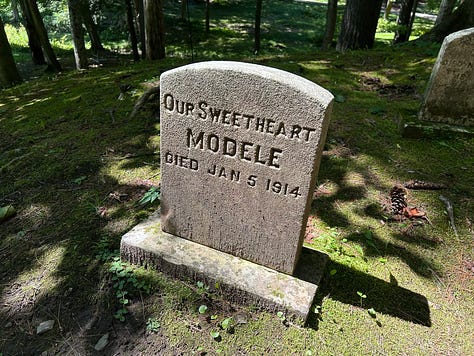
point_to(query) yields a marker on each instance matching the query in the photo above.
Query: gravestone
(240, 148)
(240, 151)
(449, 96)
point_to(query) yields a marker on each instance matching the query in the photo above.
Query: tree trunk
(258, 21)
(141, 25)
(208, 10)
(445, 9)
(131, 29)
(96, 44)
(33, 41)
(388, 9)
(77, 32)
(154, 30)
(40, 30)
(359, 25)
(459, 19)
(403, 22)
(331, 18)
(184, 10)
(16, 15)
(8, 72)
(412, 19)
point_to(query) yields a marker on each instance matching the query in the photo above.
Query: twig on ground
(449, 209)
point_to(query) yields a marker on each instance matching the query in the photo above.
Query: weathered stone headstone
(449, 97)
(240, 150)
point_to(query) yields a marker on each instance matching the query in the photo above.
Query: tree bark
(445, 9)
(8, 72)
(208, 10)
(184, 10)
(131, 29)
(154, 30)
(96, 44)
(388, 9)
(16, 15)
(139, 7)
(331, 18)
(403, 22)
(258, 21)
(33, 41)
(40, 30)
(461, 18)
(77, 32)
(359, 25)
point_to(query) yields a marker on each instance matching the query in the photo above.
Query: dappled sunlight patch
(37, 282)
(119, 225)
(35, 215)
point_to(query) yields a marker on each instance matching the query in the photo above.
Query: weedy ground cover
(75, 167)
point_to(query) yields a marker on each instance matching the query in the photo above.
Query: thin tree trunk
(412, 19)
(33, 41)
(331, 18)
(184, 9)
(16, 15)
(139, 8)
(208, 11)
(131, 29)
(258, 21)
(154, 30)
(96, 44)
(40, 30)
(8, 72)
(388, 9)
(77, 31)
(403, 21)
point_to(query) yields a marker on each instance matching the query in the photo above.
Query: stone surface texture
(449, 96)
(240, 281)
(240, 151)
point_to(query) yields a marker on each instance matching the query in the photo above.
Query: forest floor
(74, 166)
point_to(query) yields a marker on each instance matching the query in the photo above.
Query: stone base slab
(239, 281)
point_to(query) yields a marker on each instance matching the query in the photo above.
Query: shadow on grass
(384, 297)
(345, 282)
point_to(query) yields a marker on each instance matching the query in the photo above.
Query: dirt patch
(374, 84)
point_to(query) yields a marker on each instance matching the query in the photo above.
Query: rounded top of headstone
(455, 35)
(294, 81)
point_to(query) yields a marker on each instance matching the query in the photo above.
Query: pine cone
(398, 199)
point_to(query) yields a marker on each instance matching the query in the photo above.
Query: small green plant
(228, 324)
(150, 196)
(79, 180)
(103, 252)
(202, 309)
(125, 281)
(362, 296)
(202, 289)
(152, 325)
(216, 335)
(281, 316)
(372, 312)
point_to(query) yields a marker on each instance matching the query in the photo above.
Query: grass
(74, 166)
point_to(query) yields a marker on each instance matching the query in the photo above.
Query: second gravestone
(449, 97)
(240, 151)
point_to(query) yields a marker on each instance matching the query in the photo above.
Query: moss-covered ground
(74, 166)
